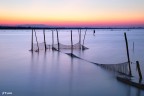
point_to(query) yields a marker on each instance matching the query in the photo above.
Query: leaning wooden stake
(44, 39)
(139, 70)
(36, 41)
(57, 39)
(32, 41)
(128, 54)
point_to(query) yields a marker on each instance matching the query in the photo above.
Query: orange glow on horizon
(106, 21)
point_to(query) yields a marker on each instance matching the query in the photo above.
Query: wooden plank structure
(131, 81)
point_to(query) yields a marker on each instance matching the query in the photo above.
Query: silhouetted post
(52, 40)
(71, 43)
(80, 37)
(139, 70)
(32, 41)
(36, 40)
(127, 53)
(133, 47)
(44, 39)
(94, 32)
(57, 39)
(84, 39)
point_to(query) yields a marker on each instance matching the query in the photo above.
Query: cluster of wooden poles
(58, 43)
(129, 62)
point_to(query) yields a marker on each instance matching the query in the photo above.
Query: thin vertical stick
(133, 47)
(57, 39)
(80, 38)
(139, 70)
(127, 53)
(44, 39)
(32, 41)
(71, 43)
(36, 40)
(52, 39)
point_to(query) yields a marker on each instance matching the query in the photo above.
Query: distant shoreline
(9, 28)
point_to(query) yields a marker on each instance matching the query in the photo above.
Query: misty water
(54, 73)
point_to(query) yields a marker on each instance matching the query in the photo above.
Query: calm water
(57, 74)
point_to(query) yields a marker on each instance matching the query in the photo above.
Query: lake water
(53, 73)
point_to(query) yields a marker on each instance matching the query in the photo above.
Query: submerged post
(71, 43)
(44, 39)
(32, 41)
(139, 70)
(36, 41)
(127, 53)
(57, 39)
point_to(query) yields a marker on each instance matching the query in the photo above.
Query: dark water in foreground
(57, 74)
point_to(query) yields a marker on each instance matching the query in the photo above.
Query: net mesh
(120, 68)
(41, 46)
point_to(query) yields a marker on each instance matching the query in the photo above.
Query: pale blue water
(57, 74)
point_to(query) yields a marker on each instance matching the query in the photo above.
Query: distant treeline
(21, 27)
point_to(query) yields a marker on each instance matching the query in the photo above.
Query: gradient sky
(73, 12)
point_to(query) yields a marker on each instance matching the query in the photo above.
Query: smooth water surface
(53, 73)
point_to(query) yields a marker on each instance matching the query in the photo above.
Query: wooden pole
(71, 43)
(32, 41)
(84, 40)
(44, 39)
(127, 53)
(52, 40)
(36, 40)
(133, 47)
(84, 37)
(80, 38)
(57, 39)
(139, 70)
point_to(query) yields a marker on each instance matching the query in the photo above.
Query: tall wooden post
(139, 70)
(32, 41)
(84, 40)
(71, 43)
(80, 38)
(127, 53)
(36, 40)
(52, 40)
(133, 47)
(57, 39)
(44, 40)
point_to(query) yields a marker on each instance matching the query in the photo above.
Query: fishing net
(41, 46)
(120, 68)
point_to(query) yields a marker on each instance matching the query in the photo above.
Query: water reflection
(52, 73)
(71, 78)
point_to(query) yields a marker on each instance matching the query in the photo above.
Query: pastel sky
(73, 12)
